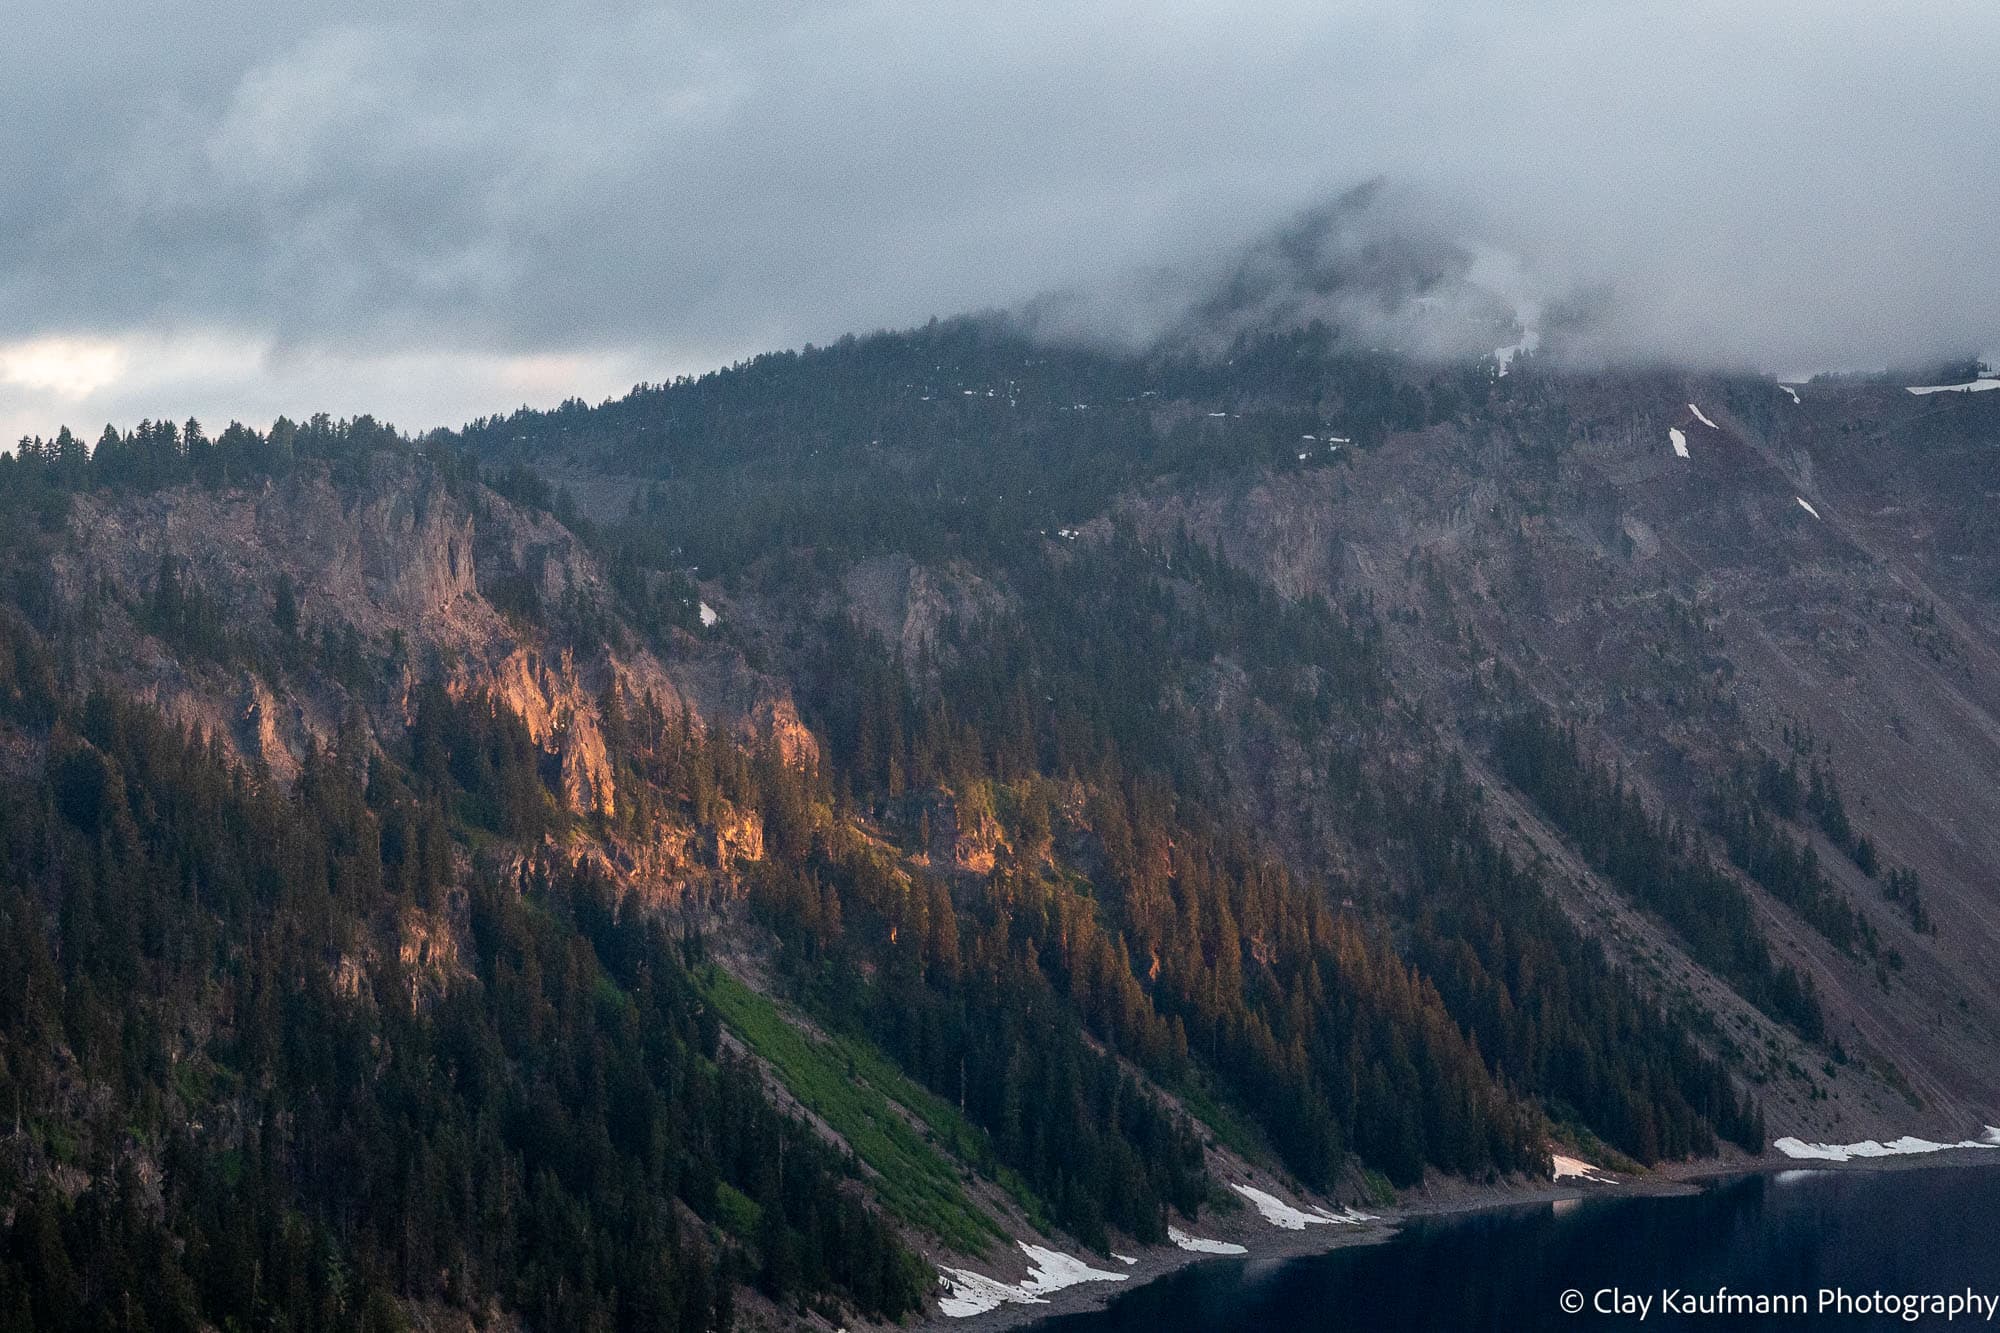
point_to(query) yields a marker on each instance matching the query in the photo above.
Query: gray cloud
(353, 195)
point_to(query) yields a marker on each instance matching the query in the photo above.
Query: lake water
(1926, 1232)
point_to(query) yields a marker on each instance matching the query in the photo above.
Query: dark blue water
(1930, 1231)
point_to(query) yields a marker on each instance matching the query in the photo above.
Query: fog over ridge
(245, 209)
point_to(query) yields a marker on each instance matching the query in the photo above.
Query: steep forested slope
(1797, 586)
(706, 854)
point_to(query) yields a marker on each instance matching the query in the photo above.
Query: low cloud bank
(620, 186)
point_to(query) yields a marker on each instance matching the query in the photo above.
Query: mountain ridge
(1321, 770)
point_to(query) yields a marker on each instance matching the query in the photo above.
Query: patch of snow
(1976, 386)
(1054, 1270)
(1575, 1168)
(1679, 441)
(1304, 457)
(1806, 505)
(1200, 1246)
(1702, 417)
(1790, 390)
(1281, 1214)
(1506, 277)
(968, 1293)
(1125, 1259)
(1908, 1145)
(1800, 1151)
(1505, 355)
(708, 616)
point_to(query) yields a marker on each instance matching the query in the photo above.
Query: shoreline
(1451, 1199)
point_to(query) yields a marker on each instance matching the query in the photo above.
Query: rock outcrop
(393, 575)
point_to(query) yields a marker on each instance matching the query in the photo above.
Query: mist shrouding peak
(433, 214)
(1388, 267)
(1374, 267)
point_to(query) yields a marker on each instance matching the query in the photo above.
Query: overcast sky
(432, 212)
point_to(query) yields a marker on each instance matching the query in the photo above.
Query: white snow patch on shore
(1976, 386)
(1702, 417)
(1678, 440)
(1908, 1145)
(1281, 1214)
(1790, 390)
(968, 1293)
(1575, 1168)
(1806, 505)
(1800, 1151)
(1201, 1246)
(1125, 1259)
(708, 616)
(1054, 1270)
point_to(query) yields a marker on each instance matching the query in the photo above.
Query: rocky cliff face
(561, 715)
(966, 837)
(393, 576)
(392, 550)
(1813, 577)
(909, 606)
